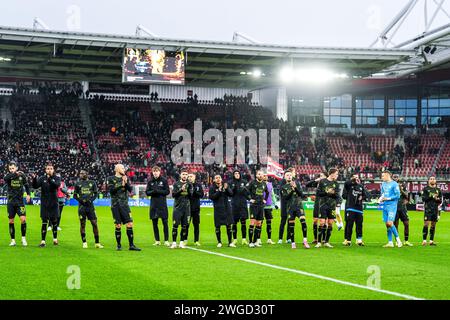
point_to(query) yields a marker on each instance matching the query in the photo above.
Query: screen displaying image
(153, 66)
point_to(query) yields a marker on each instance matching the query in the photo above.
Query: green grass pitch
(162, 273)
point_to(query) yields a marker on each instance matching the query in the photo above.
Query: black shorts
(402, 214)
(121, 214)
(86, 212)
(181, 216)
(49, 213)
(268, 214)
(14, 209)
(316, 209)
(430, 216)
(159, 212)
(257, 213)
(297, 213)
(240, 213)
(327, 212)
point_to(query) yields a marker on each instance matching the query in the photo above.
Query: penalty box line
(308, 274)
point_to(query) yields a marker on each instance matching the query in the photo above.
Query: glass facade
(402, 111)
(434, 110)
(369, 111)
(337, 111)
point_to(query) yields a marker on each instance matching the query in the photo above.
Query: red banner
(274, 169)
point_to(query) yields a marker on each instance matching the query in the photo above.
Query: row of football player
(187, 194)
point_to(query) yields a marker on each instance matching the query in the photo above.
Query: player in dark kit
(197, 194)
(158, 190)
(49, 184)
(239, 206)
(314, 184)
(328, 191)
(85, 193)
(292, 193)
(16, 182)
(182, 193)
(118, 187)
(402, 211)
(219, 194)
(283, 212)
(257, 194)
(432, 198)
(354, 194)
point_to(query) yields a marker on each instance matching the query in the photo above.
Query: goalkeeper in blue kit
(390, 193)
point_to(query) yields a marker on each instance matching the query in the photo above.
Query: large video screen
(153, 66)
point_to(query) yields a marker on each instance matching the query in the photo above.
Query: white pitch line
(346, 283)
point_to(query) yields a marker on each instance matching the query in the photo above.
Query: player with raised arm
(328, 191)
(16, 183)
(158, 189)
(49, 184)
(85, 193)
(390, 193)
(292, 193)
(119, 187)
(354, 194)
(314, 184)
(432, 198)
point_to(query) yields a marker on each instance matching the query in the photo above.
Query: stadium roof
(76, 56)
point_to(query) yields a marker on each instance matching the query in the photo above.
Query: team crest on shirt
(160, 183)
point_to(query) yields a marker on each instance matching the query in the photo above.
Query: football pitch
(272, 272)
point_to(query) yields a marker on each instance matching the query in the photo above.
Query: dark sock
(234, 231)
(425, 232)
(315, 227)
(218, 235)
(23, 229)
(329, 230)
(166, 230)
(174, 233)
(130, 236)
(184, 232)
(291, 231)
(269, 229)
(43, 231)
(155, 229)
(229, 233)
(55, 230)
(12, 230)
(251, 231)
(118, 234)
(322, 230)
(257, 234)
(95, 229)
(196, 232)
(83, 231)
(244, 229)
(406, 225)
(304, 228)
(432, 230)
(281, 230)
